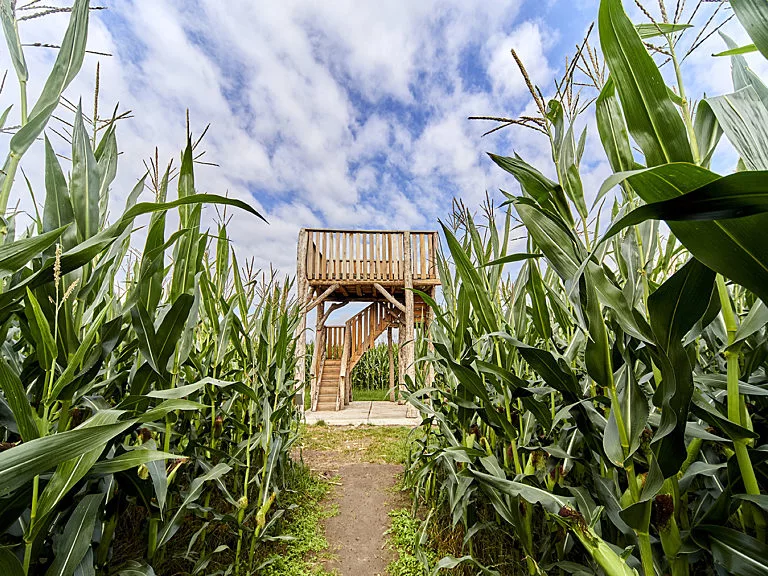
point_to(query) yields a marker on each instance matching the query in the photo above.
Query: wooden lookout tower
(378, 267)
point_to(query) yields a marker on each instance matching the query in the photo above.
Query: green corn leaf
(132, 459)
(168, 406)
(9, 564)
(654, 29)
(568, 165)
(75, 361)
(169, 332)
(70, 472)
(539, 302)
(18, 402)
(549, 501)
(57, 210)
(735, 551)
(11, 33)
(753, 15)
(22, 463)
(755, 320)
(472, 282)
(674, 308)
(508, 259)
(68, 62)
(16, 255)
(106, 157)
(76, 540)
(651, 116)
(613, 130)
(86, 251)
(708, 132)
(703, 410)
(551, 237)
(537, 186)
(737, 51)
(133, 568)
(743, 75)
(694, 202)
(195, 489)
(743, 117)
(45, 345)
(185, 263)
(4, 116)
(84, 184)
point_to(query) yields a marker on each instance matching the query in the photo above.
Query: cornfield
(147, 407)
(372, 371)
(605, 411)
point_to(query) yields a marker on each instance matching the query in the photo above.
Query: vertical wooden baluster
(323, 236)
(344, 242)
(317, 256)
(423, 256)
(338, 254)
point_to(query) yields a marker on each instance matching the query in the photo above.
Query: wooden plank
(316, 274)
(323, 252)
(344, 259)
(337, 256)
(390, 257)
(423, 257)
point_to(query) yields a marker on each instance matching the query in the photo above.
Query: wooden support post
(302, 289)
(391, 364)
(409, 346)
(318, 356)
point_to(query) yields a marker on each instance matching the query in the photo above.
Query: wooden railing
(334, 342)
(349, 255)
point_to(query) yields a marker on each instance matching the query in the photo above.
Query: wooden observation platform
(381, 267)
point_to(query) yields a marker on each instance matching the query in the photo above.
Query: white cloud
(326, 114)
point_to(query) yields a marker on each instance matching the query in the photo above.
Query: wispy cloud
(336, 113)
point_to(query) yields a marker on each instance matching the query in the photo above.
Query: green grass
(301, 555)
(376, 444)
(363, 395)
(403, 538)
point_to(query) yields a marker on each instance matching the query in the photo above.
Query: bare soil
(364, 494)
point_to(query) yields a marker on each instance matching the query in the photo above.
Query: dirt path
(363, 494)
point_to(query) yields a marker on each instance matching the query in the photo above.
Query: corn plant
(147, 395)
(606, 408)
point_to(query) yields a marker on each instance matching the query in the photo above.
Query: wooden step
(326, 406)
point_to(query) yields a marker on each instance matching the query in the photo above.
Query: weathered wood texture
(382, 267)
(348, 256)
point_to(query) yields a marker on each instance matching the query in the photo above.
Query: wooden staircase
(345, 345)
(329, 385)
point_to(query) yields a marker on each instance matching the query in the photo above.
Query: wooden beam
(330, 290)
(302, 289)
(335, 306)
(389, 296)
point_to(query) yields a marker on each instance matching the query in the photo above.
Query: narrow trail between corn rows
(364, 495)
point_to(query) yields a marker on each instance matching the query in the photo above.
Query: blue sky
(336, 114)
